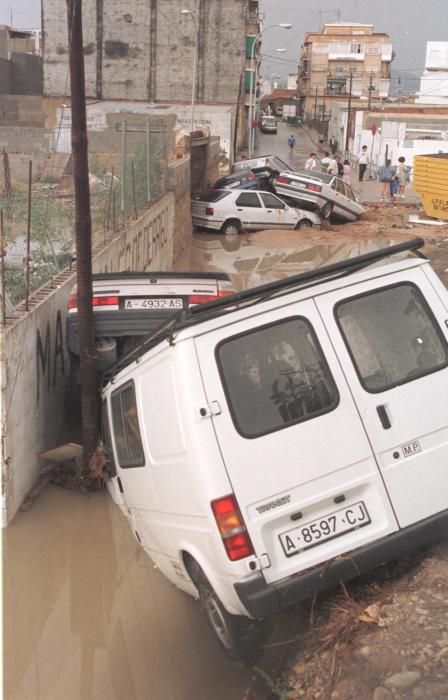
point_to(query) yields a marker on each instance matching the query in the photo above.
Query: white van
(276, 443)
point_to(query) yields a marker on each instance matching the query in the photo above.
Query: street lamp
(283, 25)
(195, 59)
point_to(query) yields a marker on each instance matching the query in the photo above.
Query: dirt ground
(383, 636)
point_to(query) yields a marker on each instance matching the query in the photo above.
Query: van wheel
(304, 223)
(231, 228)
(326, 210)
(238, 637)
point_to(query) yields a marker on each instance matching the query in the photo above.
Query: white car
(323, 192)
(233, 211)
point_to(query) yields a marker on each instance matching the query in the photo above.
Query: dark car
(243, 179)
(265, 168)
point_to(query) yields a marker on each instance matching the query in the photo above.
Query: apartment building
(434, 81)
(343, 58)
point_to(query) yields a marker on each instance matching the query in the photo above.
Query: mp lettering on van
(411, 448)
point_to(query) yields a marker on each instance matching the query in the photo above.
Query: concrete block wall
(144, 50)
(21, 110)
(5, 76)
(26, 140)
(26, 74)
(33, 355)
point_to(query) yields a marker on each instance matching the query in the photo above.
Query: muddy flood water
(86, 614)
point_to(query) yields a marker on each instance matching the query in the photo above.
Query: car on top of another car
(242, 179)
(234, 211)
(322, 192)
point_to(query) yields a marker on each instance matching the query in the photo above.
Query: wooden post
(133, 192)
(28, 238)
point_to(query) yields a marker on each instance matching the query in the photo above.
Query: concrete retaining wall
(33, 356)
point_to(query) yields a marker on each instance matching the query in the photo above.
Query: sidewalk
(368, 190)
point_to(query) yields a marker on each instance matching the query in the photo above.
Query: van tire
(231, 227)
(238, 637)
(326, 210)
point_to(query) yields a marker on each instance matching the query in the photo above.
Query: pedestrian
(363, 161)
(333, 166)
(291, 143)
(346, 171)
(311, 163)
(325, 162)
(340, 166)
(403, 175)
(385, 176)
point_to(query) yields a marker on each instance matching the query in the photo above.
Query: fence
(121, 185)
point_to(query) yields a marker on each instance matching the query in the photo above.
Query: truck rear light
(283, 180)
(209, 211)
(232, 528)
(314, 188)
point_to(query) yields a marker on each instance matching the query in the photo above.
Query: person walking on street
(311, 163)
(333, 166)
(346, 172)
(363, 161)
(385, 176)
(291, 143)
(402, 173)
(325, 162)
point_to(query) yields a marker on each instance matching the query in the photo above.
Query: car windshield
(212, 196)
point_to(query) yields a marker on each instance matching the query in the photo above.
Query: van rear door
(392, 343)
(295, 449)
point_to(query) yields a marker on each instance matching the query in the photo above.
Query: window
(248, 199)
(392, 336)
(349, 192)
(272, 202)
(275, 376)
(339, 186)
(128, 442)
(105, 437)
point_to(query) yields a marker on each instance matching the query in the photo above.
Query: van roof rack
(203, 312)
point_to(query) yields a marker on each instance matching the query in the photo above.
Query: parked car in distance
(243, 179)
(127, 306)
(265, 167)
(233, 211)
(268, 125)
(328, 194)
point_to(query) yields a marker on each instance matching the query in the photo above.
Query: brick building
(344, 57)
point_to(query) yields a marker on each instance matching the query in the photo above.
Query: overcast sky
(409, 23)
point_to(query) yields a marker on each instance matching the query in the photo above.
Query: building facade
(344, 58)
(434, 81)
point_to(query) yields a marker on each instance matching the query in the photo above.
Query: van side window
(107, 442)
(275, 376)
(392, 336)
(128, 442)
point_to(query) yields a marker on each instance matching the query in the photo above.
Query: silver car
(326, 193)
(233, 211)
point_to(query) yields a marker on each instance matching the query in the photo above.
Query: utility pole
(370, 91)
(83, 232)
(349, 110)
(315, 104)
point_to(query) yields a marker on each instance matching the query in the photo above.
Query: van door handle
(384, 418)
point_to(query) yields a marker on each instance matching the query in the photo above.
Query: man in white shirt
(325, 162)
(311, 163)
(363, 161)
(333, 167)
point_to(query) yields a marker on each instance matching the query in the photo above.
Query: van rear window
(392, 336)
(127, 438)
(275, 376)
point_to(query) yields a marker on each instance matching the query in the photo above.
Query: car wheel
(231, 227)
(238, 637)
(326, 210)
(304, 223)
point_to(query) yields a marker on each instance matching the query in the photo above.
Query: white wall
(34, 362)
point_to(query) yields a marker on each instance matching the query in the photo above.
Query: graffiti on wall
(49, 356)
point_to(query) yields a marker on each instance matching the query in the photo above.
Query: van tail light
(204, 298)
(314, 188)
(232, 528)
(96, 301)
(283, 180)
(209, 211)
